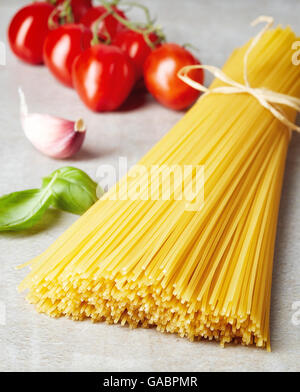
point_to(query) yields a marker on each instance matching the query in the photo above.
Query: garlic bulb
(53, 136)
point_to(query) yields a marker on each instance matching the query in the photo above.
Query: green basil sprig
(68, 189)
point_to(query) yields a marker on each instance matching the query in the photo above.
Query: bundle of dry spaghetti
(202, 273)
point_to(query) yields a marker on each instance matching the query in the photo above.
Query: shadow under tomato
(138, 98)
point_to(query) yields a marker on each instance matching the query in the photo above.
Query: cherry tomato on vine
(135, 46)
(109, 25)
(161, 78)
(28, 30)
(79, 7)
(62, 47)
(103, 77)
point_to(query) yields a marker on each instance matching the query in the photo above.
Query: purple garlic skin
(55, 137)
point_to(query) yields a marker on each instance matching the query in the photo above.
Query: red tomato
(79, 8)
(109, 25)
(61, 48)
(28, 30)
(135, 46)
(161, 78)
(103, 77)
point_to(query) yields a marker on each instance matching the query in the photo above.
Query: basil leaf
(73, 190)
(22, 210)
(68, 189)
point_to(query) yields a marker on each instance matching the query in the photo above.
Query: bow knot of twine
(267, 98)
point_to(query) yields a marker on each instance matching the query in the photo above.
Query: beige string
(265, 97)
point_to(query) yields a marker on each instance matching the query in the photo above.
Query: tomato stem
(143, 29)
(51, 23)
(67, 12)
(96, 25)
(64, 12)
(143, 8)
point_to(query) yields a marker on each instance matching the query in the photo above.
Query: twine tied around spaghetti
(267, 98)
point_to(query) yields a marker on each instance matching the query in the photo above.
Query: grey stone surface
(32, 342)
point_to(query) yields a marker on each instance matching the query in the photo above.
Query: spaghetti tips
(203, 273)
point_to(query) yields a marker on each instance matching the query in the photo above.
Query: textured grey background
(30, 341)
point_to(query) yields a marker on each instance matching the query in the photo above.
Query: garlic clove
(53, 136)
